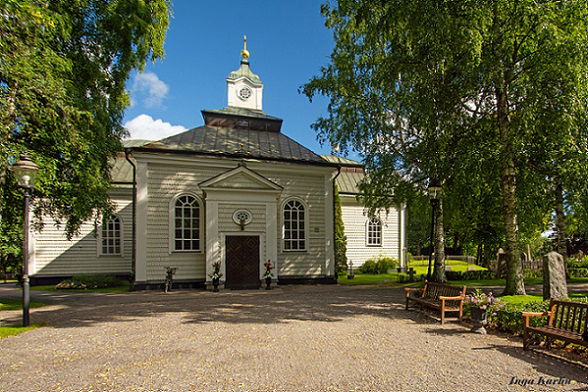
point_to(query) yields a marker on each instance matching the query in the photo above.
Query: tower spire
(245, 52)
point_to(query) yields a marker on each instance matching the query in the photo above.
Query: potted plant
(480, 304)
(268, 274)
(215, 276)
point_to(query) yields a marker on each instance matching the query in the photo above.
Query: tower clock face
(245, 93)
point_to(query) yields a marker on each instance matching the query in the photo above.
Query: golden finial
(244, 52)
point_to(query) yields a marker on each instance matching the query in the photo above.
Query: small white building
(236, 191)
(383, 235)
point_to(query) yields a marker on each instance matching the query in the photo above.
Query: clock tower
(244, 88)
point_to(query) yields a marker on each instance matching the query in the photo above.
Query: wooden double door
(242, 258)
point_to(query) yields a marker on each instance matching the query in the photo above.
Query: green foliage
(380, 265)
(494, 91)
(340, 238)
(510, 317)
(63, 69)
(578, 272)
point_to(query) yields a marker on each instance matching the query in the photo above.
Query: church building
(235, 191)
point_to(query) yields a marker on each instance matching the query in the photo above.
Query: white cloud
(145, 127)
(149, 89)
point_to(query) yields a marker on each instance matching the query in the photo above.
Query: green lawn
(123, 288)
(11, 331)
(502, 282)
(392, 279)
(16, 304)
(525, 299)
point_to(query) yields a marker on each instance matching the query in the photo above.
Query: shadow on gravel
(299, 303)
(543, 362)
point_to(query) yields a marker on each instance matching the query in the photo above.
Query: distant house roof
(342, 161)
(238, 143)
(351, 174)
(121, 171)
(135, 142)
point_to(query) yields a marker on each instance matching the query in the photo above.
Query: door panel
(242, 262)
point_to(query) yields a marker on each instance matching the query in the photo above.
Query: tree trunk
(515, 283)
(560, 224)
(439, 266)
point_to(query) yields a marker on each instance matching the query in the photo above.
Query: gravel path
(294, 338)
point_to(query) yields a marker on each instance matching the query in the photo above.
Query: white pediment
(240, 178)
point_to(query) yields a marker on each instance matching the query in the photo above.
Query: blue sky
(288, 43)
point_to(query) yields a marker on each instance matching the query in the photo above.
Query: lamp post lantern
(434, 190)
(25, 172)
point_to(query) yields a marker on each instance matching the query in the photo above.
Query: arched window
(112, 236)
(374, 232)
(294, 226)
(186, 224)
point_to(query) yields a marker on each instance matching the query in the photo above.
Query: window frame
(172, 224)
(101, 238)
(368, 225)
(306, 225)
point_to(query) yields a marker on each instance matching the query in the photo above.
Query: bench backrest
(568, 315)
(435, 290)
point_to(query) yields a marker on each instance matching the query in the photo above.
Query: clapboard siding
(167, 181)
(311, 189)
(355, 220)
(55, 255)
(164, 183)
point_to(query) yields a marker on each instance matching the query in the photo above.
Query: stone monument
(554, 276)
(501, 265)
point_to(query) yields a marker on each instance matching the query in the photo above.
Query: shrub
(510, 317)
(578, 262)
(89, 282)
(378, 266)
(369, 267)
(578, 272)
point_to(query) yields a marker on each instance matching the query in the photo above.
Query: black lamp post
(433, 190)
(25, 171)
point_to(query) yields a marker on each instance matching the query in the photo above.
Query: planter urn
(215, 282)
(479, 318)
(268, 283)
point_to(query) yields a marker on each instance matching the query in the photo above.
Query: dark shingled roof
(245, 143)
(243, 112)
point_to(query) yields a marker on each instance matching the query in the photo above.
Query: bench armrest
(409, 290)
(457, 298)
(528, 315)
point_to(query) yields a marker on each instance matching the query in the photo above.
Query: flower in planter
(483, 301)
(268, 270)
(216, 274)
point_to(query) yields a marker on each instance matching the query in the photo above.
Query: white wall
(355, 218)
(55, 255)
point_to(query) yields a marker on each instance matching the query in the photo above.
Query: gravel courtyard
(294, 338)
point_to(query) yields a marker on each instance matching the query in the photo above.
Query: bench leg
(442, 316)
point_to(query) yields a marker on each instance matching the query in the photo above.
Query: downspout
(335, 224)
(134, 213)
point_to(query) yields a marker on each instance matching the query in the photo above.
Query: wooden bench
(439, 296)
(567, 321)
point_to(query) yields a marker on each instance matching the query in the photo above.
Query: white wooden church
(235, 190)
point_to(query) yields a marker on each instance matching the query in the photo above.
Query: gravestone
(554, 276)
(501, 265)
